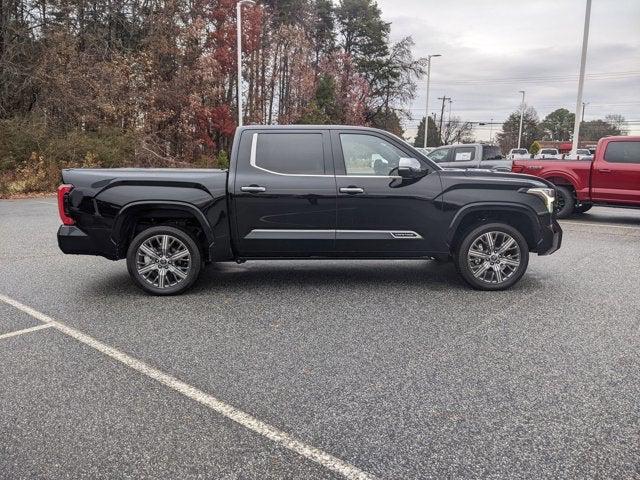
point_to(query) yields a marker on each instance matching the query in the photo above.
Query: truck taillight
(63, 190)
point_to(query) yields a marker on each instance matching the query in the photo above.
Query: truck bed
(574, 172)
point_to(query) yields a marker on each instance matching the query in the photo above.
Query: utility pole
(426, 110)
(521, 118)
(444, 99)
(491, 131)
(449, 117)
(583, 61)
(239, 48)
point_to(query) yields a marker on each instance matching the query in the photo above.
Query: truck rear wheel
(164, 260)
(585, 207)
(492, 257)
(565, 202)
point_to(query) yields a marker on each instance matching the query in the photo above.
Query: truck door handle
(604, 170)
(351, 190)
(253, 189)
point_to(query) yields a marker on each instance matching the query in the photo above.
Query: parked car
(579, 154)
(471, 155)
(612, 178)
(518, 153)
(548, 153)
(308, 192)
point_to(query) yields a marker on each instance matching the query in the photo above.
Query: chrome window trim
(252, 162)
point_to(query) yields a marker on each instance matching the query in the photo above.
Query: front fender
(494, 207)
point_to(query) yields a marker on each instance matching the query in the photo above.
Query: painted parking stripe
(604, 225)
(248, 421)
(25, 330)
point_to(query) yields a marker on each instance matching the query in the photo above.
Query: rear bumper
(73, 240)
(550, 238)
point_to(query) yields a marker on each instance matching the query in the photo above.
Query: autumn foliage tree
(153, 82)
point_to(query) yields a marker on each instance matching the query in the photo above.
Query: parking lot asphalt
(396, 368)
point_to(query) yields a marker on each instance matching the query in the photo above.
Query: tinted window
(297, 153)
(369, 155)
(491, 153)
(464, 154)
(622, 152)
(548, 152)
(520, 152)
(439, 155)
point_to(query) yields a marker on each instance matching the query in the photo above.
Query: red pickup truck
(612, 178)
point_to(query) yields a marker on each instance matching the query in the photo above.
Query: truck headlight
(548, 196)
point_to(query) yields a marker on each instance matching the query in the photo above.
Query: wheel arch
(125, 222)
(518, 216)
(562, 179)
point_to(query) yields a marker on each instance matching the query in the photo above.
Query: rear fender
(129, 211)
(569, 178)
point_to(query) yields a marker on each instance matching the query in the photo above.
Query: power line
(601, 75)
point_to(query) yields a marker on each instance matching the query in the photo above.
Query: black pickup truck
(301, 192)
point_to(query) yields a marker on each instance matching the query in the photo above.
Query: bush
(534, 148)
(222, 160)
(32, 154)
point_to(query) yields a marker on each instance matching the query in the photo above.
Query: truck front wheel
(565, 202)
(164, 260)
(492, 256)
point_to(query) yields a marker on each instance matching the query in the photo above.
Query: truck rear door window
(290, 153)
(622, 152)
(491, 153)
(464, 154)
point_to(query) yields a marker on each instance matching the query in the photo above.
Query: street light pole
(239, 49)
(426, 113)
(583, 61)
(521, 118)
(584, 104)
(491, 131)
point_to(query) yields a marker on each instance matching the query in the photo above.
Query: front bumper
(550, 237)
(73, 240)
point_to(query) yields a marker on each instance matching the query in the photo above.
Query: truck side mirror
(409, 168)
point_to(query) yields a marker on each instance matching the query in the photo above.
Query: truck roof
(310, 127)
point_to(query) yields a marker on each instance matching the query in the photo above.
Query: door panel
(382, 215)
(616, 178)
(285, 193)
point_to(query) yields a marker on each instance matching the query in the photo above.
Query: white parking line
(603, 225)
(25, 330)
(248, 421)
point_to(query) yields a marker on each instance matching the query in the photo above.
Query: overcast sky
(493, 48)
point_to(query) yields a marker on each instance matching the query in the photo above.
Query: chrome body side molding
(295, 234)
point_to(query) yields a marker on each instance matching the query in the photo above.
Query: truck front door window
(439, 155)
(369, 155)
(622, 152)
(290, 153)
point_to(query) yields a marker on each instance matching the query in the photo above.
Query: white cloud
(493, 49)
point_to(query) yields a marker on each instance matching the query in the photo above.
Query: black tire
(585, 207)
(177, 237)
(462, 257)
(565, 202)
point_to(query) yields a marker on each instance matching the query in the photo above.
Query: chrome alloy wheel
(163, 260)
(494, 257)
